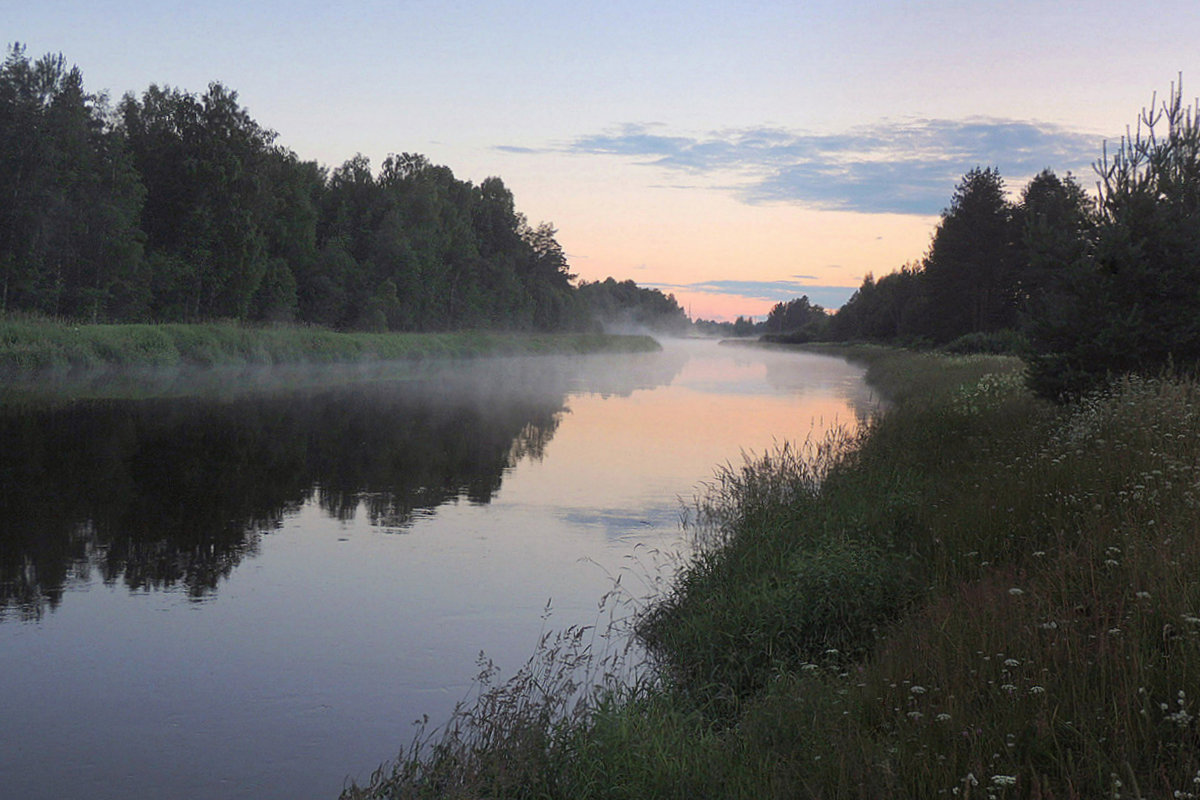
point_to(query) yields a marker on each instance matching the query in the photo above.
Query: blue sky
(720, 149)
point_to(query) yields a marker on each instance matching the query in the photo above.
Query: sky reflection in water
(254, 596)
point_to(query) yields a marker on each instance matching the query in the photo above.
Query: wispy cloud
(772, 291)
(906, 167)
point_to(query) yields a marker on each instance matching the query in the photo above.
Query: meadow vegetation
(980, 594)
(30, 343)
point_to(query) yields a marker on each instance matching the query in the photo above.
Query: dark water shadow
(171, 483)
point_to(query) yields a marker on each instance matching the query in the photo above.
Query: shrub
(1129, 302)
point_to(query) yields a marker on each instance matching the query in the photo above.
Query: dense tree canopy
(993, 267)
(625, 305)
(1125, 293)
(796, 321)
(180, 207)
(970, 274)
(174, 206)
(1085, 289)
(70, 241)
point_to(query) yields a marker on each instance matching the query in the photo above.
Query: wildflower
(943, 717)
(1011, 662)
(1181, 718)
(917, 690)
(1142, 595)
(1004, 780)
(1015, 592)
(1037, 690)
(1008, 687)
(915, 715)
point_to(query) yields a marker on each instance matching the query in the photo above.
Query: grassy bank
(982, 595)
(36, 344)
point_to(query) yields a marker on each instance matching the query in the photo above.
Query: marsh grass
(33, 344)
(981, 595)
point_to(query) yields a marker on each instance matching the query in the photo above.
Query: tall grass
(30, 344)
(982, 595)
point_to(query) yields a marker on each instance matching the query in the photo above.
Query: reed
(32, 344)
(981, 595)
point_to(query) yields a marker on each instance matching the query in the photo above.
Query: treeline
(1084, 288)
(989, 264)
(177, 207)
(623, 305)
(740, 327)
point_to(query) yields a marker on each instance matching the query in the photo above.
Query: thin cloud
(905, 167)
(771, 291)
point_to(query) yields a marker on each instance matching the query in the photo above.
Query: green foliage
(1087, 291)
(796, 321)
(180, 207)
(29, 344)
(1045, 644)
(1001, 342)
(742, 326)
(970, 273)
(993, 267)
(1127, 297)
(625, 305)
(890, 309)
(68, 226)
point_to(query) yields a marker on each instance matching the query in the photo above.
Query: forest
(1082, 286)
(175, 207)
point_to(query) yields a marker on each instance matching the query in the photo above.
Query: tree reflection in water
(175, 492)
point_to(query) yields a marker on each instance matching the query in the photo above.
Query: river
(251, 585)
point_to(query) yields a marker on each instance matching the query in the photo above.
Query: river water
(249, 585)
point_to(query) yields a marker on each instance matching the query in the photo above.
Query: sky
(735, 154)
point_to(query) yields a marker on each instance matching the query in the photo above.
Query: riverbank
(982, 594)
(31, 344)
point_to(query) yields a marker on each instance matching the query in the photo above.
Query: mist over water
(250, 586)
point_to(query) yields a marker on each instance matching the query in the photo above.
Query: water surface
(239, 589)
